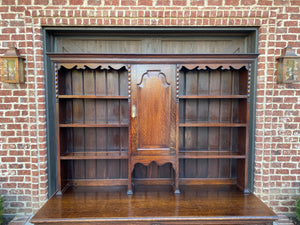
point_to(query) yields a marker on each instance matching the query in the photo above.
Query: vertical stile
(129, 133)
(84, 121)
(220, 111)
(177, 129)
(72, 120)
(231, 119)
(120, 110)
(106, 120)
(57, 130)
(220, 161)
(197, 112)
(247, 129)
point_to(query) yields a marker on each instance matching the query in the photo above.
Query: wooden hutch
(153, 139)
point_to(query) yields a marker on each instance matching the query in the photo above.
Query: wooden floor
(154, 206)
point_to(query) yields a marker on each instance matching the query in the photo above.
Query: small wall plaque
(288, 67)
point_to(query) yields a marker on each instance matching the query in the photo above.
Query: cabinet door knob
(133, 111)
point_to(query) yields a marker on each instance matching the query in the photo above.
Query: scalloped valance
(91, 66)
(213, 66)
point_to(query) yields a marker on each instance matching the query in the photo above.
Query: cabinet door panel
(153, 108)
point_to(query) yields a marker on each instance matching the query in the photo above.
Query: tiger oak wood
(190, 104)
(171, 119)
(154, 205)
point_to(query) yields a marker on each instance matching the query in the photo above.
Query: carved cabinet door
(153, 110)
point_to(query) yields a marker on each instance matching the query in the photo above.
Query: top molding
(214, 61)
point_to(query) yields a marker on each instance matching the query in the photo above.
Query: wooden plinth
(154, 206)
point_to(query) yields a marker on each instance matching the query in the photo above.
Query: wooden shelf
(95, 155)
(212, 96)
(212, 124)
(210, 155)
(91, 124)
(93, 97)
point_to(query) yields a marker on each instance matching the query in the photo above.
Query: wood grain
(207, 121)
(155, 205)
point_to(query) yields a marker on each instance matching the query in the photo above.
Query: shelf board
(212, 96)
(210, 155)
(95, 155)
(212, 124)
(90, 124)
(93, 96)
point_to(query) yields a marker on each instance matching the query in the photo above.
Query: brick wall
(23, 153)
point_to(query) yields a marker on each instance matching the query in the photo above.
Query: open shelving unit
(213, 124)
(92, 125)
(99, 136)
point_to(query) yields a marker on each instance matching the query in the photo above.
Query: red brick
(231, 2)
(94, 2)
(289, 37)
(179, 2)
(9, 30)
(8, 2)
(75, 2)
(288, 178)
(295, 2)
(287, 92)
(9, 159)
(12, 113)
(248, 2)
(294, 30)
(16, 179)
(145, 2)
(16, 204)
(9, 185)
(5, 92)
(128, 2)
(5, 106)
(283, 158)
(163, 2)
(214, 2)
(264, 2)
(41, 2)
(295, 17)
(59, 2)
(282, 171)
(291, 23)
(292, 9)
(17, 9)
(24, 2)
(8, 16)
(8, 133)
(11, 99)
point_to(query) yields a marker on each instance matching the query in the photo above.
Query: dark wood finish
(128, 116)
(213, 120)
(212, 124)
(153, 117)
(211, 96)
(153, 120)
(154, 205)
(93, 97)
(92, 123)
(70, 60)
(210, 155)
(95, 155)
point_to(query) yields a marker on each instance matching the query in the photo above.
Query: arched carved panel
(154, 73)
(154, 99)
